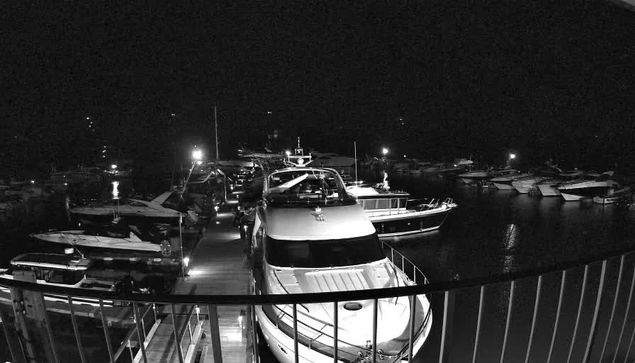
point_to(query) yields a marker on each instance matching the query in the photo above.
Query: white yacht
(503, 179)
(527, 184)
(579, 189)
(161, 208)
(310, 236)
(59, 270)
(474, 176)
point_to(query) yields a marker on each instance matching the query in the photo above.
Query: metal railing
(572, 312)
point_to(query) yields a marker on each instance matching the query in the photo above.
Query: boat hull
(548, 191)
(572, 197)
(409, 223)
(503, 186)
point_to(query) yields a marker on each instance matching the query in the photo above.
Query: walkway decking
(218, 266)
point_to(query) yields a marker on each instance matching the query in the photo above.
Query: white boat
(60, 270)
(527, 184)
(331, 160)
(576, 190)
(394, 213)
(474, 176)
(503, 179)
(549, 187)
(317, 239)
(162, 207)
(613, 196)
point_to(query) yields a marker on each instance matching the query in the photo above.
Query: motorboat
(161, 208)
(528, 183)
(332, 160)
(613, 196)
(549, 187)
(61, 270)
(119, 240)
(474, 176)
(394, 213)
(318, 239)
(579, 189)
(503, 179)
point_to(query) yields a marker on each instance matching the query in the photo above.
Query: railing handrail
(312, 297)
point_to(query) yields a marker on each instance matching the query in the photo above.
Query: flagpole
(216, 131)
(355, 146)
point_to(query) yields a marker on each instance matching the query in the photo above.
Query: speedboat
(474, 176)
(527, 184)
(317, 239)
(394, 213)
(162, 208)
(503, 179)
(579, 189)
(614, 196)
(119, 240)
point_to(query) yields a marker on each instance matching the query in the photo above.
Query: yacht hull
(503, 186)
(548, 191)
(572, 197)
(409, 223)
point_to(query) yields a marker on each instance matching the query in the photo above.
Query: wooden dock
(217, 266)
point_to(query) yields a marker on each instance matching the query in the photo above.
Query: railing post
(296, 354)
(411, 330)
(510, 310)
(479, 318)
(448, 322)
(617, 294)
(78, 339)
(596, 311)
(563, 283)
(577, 319)
(375, 310)
(534, 318)
(214, 332)
(135, 310)
(177, 340)
(104, 324)
(628, 309)
(335, 328)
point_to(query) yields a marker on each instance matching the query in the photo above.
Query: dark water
(491, 232)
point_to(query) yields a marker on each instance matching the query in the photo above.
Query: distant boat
(613, 196)
(474, 176)
(576, 190)
(162, 207)
(527, 184)
(503, 179)
(331, 160)
(395, 214)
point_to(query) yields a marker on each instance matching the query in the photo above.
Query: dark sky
(547, 79)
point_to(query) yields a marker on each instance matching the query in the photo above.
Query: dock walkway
(217, 267)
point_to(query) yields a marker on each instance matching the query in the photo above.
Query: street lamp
(384, 151)
(512, 156)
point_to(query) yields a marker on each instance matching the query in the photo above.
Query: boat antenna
(355, 147)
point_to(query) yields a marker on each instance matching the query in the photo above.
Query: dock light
(197, 154)
(186, 261)
(115, 190)
(113, 166)
(199, 162)
(384, 151)
(288, 153)
(32, 181)
(512, 156)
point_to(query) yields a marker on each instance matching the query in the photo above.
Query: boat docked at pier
(311, 236)
(474, 176)
(528, 183)
(394, 213)
(151, 245)
(503, 179)
(61, 270)
(580, 189)
(613, 196)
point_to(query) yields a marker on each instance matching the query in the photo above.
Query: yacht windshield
(319, 187)
(324, 253)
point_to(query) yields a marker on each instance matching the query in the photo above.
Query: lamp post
(197, 157)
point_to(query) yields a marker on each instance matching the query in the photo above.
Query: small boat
(394, 213)
(527, 184)
(577, 190)
(613, 196)
(503, 179)
(474, 176)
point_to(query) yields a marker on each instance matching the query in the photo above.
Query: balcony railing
(573, 312)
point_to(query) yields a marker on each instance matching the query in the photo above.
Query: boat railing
(571, 311)
(407, 266)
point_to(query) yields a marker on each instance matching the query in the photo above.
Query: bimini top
(52, 261)
(317, 223)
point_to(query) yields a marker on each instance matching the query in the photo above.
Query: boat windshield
(324, 253)
(320, 187)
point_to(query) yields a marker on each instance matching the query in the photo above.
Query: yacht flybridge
(311, 236)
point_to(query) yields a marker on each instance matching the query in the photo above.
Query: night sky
(432, 79)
